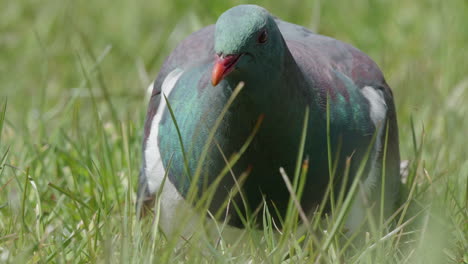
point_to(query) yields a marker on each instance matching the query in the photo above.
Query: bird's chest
(272, 131)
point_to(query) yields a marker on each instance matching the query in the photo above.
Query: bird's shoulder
(196, 49)
(319, 55)
(338, 72)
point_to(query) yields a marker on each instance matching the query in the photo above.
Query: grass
(73, 76)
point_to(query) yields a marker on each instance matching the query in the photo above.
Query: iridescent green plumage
(293, 70)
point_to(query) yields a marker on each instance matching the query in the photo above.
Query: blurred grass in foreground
(73, 75)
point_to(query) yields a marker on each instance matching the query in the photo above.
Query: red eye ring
(262, 37)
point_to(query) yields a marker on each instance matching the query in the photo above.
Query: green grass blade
(349, 198)
(181, 142)
(70, 195)
(192, 190)
(2, 118)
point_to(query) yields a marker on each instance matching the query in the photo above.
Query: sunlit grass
(72, 85)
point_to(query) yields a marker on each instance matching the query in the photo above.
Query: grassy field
(73, 76)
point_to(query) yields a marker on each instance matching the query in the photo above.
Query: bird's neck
(282, 91)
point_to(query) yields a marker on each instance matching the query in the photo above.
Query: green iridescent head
(248, 43)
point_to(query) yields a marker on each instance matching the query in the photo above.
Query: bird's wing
(196, 49)
(361, 102)
(353, 82)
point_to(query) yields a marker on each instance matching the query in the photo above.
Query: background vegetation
(73, 77)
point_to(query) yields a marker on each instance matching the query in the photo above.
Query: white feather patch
(154, 169)
(149, 91)
(378, 107)
(378, 115)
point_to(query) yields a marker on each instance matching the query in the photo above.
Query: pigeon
(250, 85)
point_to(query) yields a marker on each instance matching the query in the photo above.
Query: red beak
(223, 66)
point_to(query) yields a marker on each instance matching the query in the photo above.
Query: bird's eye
(262, 37)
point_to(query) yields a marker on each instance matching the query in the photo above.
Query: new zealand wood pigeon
(285, 68)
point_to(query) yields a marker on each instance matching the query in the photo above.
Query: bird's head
(248, 42)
